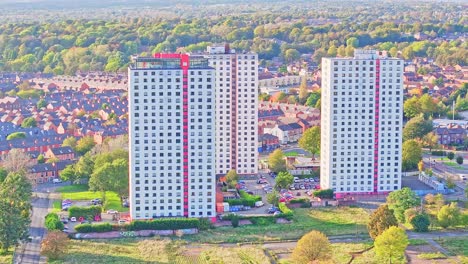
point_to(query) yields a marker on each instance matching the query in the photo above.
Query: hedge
(284, 209)
(52, 222)
(327, 194)
(300, 200)
(86, 212)
(439, 153)
(164, 224)
(246, 199)
(93, 228)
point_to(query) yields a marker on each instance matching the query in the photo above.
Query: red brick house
(61, 153)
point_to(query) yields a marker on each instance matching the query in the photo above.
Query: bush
(52, 222)
(450, 155)
(205, 224)
(420, 223)
(165, 224)
(262, 220)
(235, 221)
(299, 200)
(438, 153)
(284, 209)
(324, 194)
(95, 228)
(246, 199)
(459, 160)
(85, 212)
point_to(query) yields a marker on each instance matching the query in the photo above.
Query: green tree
(431, 141)
(69, 174)
(29, 122)
(353, 42)
(232, 179)
(412, 107)
(111, 177)
(41, 104)
(84, 167)
(15, 205)
(276, 161)
(3, 174)
(313, 99)
(292, 55)
(416, 128)
(310, 140)
(449, 215)
(52, 222)
(450, 155)
(303, 92)
(459, 160)
(439, 81)
(412, 154)
(283, 180)
(273, 198)
(420, 222)
(84, 145)
(381, 220)
(70, 142)
(311, 248)
(391, 244)
(16, 135)
(53, 160)
(401, 200)
(40, 159)
(428, 106)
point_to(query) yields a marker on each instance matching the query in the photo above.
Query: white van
(296, 179)
(57, 180)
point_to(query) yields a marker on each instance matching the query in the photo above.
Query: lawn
(291, 154)
(456, 246)
(57, 206)
(331, 221)
(7, 257)
(80, 192)
(453, 165)
(156, 250)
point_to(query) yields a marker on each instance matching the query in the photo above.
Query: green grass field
(331, 221)
(56, 206)
(80, 192)
(456, 246)
(291, 154)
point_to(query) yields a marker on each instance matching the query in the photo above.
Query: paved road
(30, 253)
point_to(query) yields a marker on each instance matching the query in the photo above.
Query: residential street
(30, 252)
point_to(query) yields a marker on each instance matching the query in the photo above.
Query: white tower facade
(171, 134)
(362, 120)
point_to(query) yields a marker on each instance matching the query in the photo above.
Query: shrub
(420, 223)
(52, 222)
(459, 160)
(235, 221)
(229, 216)
(55, 245)
(410, 213)
(85, 212)
(97, 228)
(246, 199)
(262, 220)
(165, 224)
(284, 209)
(205, 224)
(438, 153)
(324, 194)
(299, 200)
(450, 155)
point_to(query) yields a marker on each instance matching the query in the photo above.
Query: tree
(69, 173)
(84, 167)
(450, 155)
(16, 135)
(292, 55)
(85, 144)
(402, 200)
(303, 92)
(353, 42)
(273, 198)
(232, 178)
(3, 174)
(420, 222)
(391, 244)
(53, 160)
(41, 104)
(312, 99)
(15, 208)
(420, 165)
(412, 154)
(283, 180)
(428, 106)
(381, 220)
(431, 141)
(276, 161)
(70, 142)
(312, 247)
(310, 140)
(459, 160)
(16, 160)
(449, 215)
(412, 107)
(55, 245)
(29, 122)
(417, 128)
(112, 176)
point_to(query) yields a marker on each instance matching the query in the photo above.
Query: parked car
(261, 181)
(462, 177)
(112, 211)
(292, 187)
(73, 219)
(57, 180)
(302, 187)
(259, 204)
(296, 180)
(272, 210)
(277, 213)
(306, 179)
(96, 201)
(125, 203)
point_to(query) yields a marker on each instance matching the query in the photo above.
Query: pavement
(29, 253)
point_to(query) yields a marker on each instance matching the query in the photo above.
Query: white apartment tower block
(362, 120)
(171, 134)
(236, 110)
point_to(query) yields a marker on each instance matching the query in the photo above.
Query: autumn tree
(391, 244)
(412, 107)
(16, 160)
(273, 198)
(449, 215)
(312, 247)
(310, 140)
(70, 142)
(283, 180)
(15, 208)
(303, 92)
(416, 128)
(84, 145)
(276, 161)
(381, 220)
(401, 200)
(55, 245)
(430, 140)
(232, 178)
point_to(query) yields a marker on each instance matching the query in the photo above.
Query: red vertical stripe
(376, 125)
(184, 64)
(234, 113)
